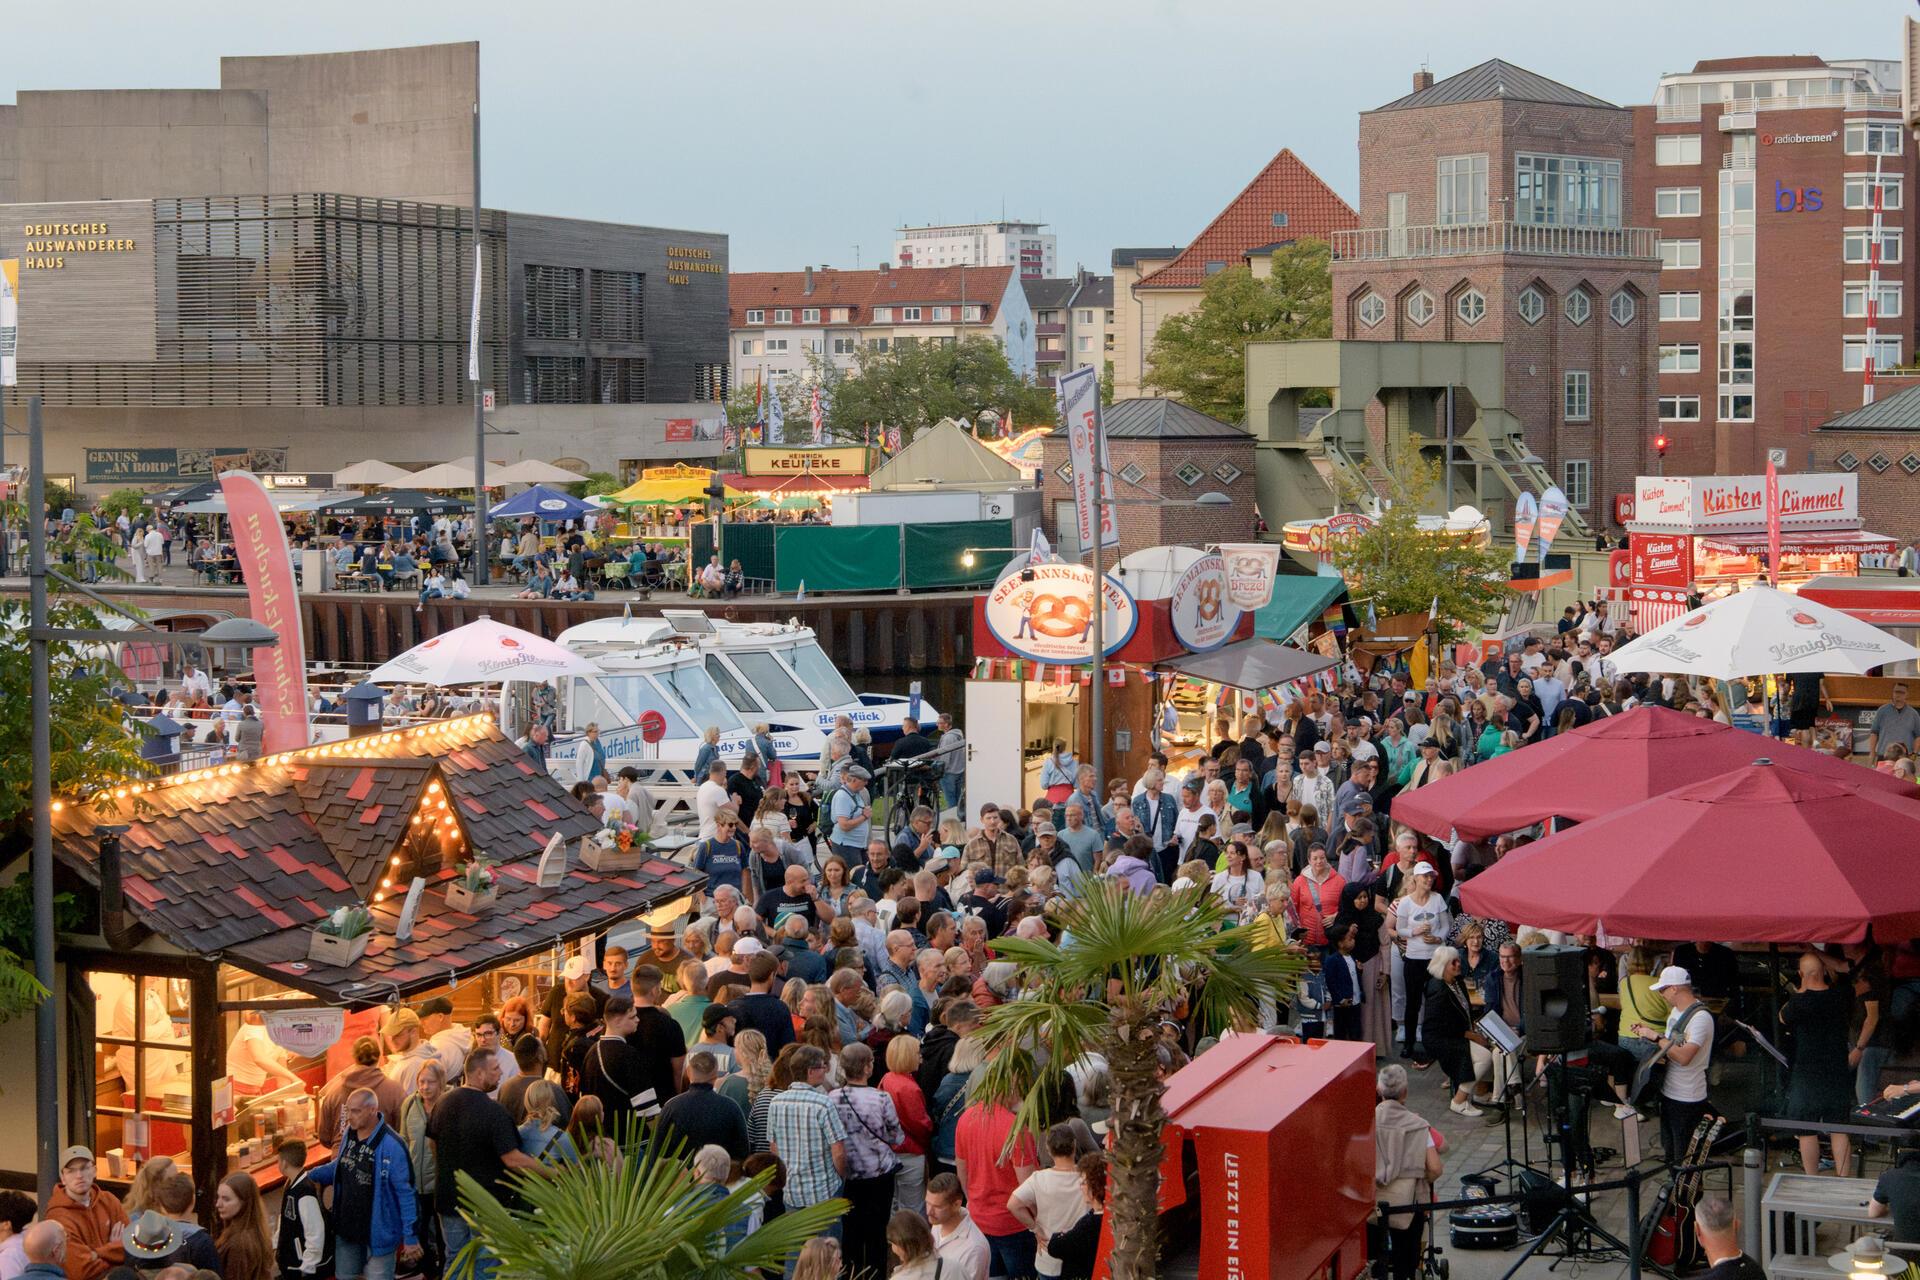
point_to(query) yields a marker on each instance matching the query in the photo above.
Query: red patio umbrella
(1594, 770)
(1764, 853)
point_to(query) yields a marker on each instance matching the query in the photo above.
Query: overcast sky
(805, 130)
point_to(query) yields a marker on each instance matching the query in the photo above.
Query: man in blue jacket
(1158, 816)
(373, 1197)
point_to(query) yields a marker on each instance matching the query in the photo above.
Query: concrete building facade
(190, 284)
(1496, 206)
(1073, 323)
(1026, 246)
(1759, 173)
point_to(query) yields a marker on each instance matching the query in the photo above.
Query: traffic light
(1660, 446)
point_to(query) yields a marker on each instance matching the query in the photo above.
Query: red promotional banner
(1773, 523)
(279, 671)
(679, 430)
(1662, 559)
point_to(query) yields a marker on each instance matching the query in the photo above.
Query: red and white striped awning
(1814, 542)
(1650, 607)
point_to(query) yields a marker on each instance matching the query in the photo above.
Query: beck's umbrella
(1763, 853)
(1762, 631)
(483, 652)
(1595, 769)
(396, 502)
(547, 504)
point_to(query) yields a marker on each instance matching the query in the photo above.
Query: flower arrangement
(618, 846)
(341, 938)
(473, 887)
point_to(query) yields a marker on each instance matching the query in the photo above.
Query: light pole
(240, 632)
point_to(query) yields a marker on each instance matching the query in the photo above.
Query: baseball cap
(574, 969)
(1323, 748)
(1411, 696)
(1043, 829)
(857, 772)
(438, 1004)
(1427, 740)
(1424, 868)
(1673, 976)
(1191, 784)
(73, 1153)
(1241, 829)
(985, 876)
(401, 1020)
(1365, 751)
(748, 947)
(713, 1015)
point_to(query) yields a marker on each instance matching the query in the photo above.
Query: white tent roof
(532, 471)
(947, 456)
(371, 471)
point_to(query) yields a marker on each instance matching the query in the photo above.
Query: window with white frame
(1857, 191)
(909, 313)
(1083, 342)
(1531, 304)
(1372, 310)
(1578, 306)
(1679, 408)
(1420, 307)
(1855, 242)
(1083, 316)
(884, 315)
(843, 346)
(1676, 202)
(879, 344)
(1736, 406)
(1679, 255)
(1579, 395)
(1622, 308)
(1577, 482)
(839, 315)
(1566, 191)
(1461, 190)
(756, 317)
(942, 313)
(776, 345)
(746, 346)
(1679, 357)
(974, 312)
(1471, 306)
(783, 315)
(1736, 311)
(809, 315)
(1873, 137)
(810, 344)
(1853, 353)
(1680, 306)
(1853, 299)
(1676, 148)
(1736, 362)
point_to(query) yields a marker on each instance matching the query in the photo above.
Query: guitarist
(1686, 1047)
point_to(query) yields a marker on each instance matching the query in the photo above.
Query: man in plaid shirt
(805, 1130)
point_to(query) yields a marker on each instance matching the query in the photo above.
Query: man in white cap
(1687, 1044)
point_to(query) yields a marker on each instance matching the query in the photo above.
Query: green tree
(129, 501)
(1129, 963)
(1106, 387)
(916, 384)
(1398, 567)
(1200, 357)
(646, 1220)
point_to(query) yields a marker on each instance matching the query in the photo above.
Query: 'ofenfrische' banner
(280, 671)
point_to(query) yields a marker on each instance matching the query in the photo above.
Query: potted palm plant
(473, 887)
(341, 938)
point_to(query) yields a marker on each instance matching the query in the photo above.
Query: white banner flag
(306, 1032)
(1079, 398)
(1250, 570)
(9, 322)
(473, 332)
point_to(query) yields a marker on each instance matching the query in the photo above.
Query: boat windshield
(636, 696)
(702, 697)
(821, 675)
(730, 685)
(771, 681)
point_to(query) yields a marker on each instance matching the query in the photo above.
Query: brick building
(1879, 442)
(1158, 447)
(1497, 206)
(1759, 174)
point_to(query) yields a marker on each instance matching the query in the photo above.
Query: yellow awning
(678, 485)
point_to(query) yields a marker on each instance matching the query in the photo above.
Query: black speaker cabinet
(1555, 1006)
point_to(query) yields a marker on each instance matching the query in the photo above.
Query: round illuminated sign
(1048, 617)
(1201, 615)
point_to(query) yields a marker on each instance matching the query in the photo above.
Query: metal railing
(1481, 238)
(1737, 160)
(1812, 101)
(1677, 113)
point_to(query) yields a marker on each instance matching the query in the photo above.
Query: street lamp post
(240, 632)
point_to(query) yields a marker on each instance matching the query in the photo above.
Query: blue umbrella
(547, 504)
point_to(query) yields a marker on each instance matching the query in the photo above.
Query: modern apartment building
(1072, 323)
(1760, 175)
(779, 319)
(1285, 201)
(979, 244)
(1497, 206)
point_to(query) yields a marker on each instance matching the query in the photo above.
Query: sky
(808, 132)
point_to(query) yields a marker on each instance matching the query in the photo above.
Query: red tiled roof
(1785, 62)
(1286, 185)
(862, 291)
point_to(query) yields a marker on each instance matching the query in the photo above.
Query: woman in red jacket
(1316, 896)
(910, 1180)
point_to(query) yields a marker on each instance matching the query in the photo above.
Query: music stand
(1506, 1040)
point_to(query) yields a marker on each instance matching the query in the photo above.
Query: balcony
(1050, 355)
(1481, 239)
(1051, 331)
(1814, 101)
(1735, 160)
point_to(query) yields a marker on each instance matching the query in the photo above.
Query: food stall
(208, 993)
(1707, 535)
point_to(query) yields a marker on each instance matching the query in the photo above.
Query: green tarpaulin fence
(862, 558)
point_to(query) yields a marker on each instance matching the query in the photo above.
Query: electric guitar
(1671, 1242)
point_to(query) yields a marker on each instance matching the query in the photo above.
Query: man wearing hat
(664, 954)
(575, 977)
(407, 1048)
(451, 1042)
(851, 816)
(1066, 867)
(92, 1216)
(1687, 1043)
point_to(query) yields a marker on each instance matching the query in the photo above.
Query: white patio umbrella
(372, 471)
(1761, 631)
(457, 474)
(532, 471)
(483, 652)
